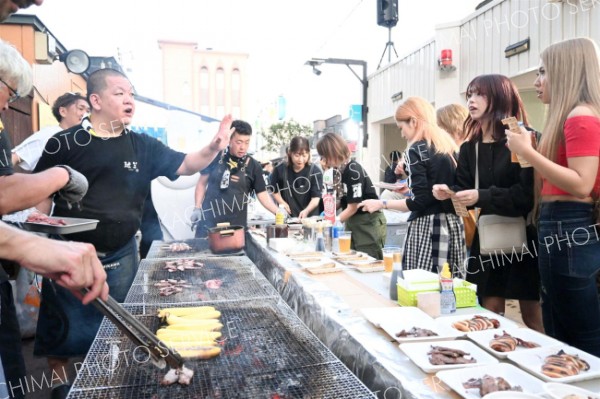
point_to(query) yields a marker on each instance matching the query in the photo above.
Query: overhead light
(517, 48)
(316, 71)
(76, 61)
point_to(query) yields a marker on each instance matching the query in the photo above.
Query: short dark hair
(395, 156)
(241, 127)
(66, 100)
(97, 80)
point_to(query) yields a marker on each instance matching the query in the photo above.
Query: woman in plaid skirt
(435, 233)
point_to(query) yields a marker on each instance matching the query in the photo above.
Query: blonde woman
(435, 234)
(368, 231)
(567, 164)
(451, 118)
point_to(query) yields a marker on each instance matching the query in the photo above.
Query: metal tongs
(137, 332)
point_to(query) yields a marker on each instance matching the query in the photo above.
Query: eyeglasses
(15, 94)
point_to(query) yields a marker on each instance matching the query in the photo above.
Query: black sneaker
(60, 392)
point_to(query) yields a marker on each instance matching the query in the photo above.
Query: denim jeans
(569, 259)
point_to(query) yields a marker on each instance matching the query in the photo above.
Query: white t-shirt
(31, 149)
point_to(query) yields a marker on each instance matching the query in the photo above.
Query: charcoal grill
(268, 353)
(241, 280)
(199, 247)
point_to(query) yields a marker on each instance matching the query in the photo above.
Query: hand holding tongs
(137, 332)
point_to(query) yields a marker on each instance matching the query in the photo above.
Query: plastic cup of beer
(345, 238)
(388, 257)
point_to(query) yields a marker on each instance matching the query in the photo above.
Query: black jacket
(505, 188)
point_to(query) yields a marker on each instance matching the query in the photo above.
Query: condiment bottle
(280, 215)
(447, 297)
(396, 274)
(335, 235)
(320, 244)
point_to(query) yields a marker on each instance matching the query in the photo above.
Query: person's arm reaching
(21, 191)
(196, 161)
(267, 202)
(314, 202)
(72, 265)
(199, 198)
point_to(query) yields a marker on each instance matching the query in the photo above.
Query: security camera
(316, 71)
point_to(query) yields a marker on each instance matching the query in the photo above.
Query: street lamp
(318, 61)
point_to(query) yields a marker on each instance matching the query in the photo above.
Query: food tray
(323, 269)
(483, 338)
(532, 361)
(417, 352)
(559, 391)
(373, 266)
(393, 325)
(390, 186)
(447, 321)
(466, 295)
(74, 225)
(513, 375)
(378, 316)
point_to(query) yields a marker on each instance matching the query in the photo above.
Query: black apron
(228, 204)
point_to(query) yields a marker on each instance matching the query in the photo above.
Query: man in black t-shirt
(224, 187)
(119, 165)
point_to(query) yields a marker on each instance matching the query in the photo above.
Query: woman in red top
(567, 164)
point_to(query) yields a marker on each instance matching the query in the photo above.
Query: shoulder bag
(498, 234)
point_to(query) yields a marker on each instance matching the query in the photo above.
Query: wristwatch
(384, 204)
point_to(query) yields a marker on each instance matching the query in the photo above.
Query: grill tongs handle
(137, 332)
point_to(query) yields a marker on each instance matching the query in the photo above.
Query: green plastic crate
(466, 295)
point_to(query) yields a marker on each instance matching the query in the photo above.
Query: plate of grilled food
(558, 364)
(435, 356)
(479, 382)
(40, 223)
(476, 322)
(500, 342)
(417, 329)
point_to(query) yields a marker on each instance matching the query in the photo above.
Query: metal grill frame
(266, 328)
(325, 381)
(241, 280)
(199, 246)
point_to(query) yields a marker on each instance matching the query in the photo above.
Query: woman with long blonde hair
(567, 164)
(435, 233)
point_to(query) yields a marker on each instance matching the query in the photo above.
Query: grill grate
(325, 381)
(240, 278)
(198, 247)
(267, 352)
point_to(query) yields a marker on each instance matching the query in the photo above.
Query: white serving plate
(483, 338)
(560, 391)
(532, 361)
(376, 316)
(447, 321)
(422, 320)
(513, 375)
(512, 395)
(417, 352)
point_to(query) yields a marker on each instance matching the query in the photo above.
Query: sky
(278, 35)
